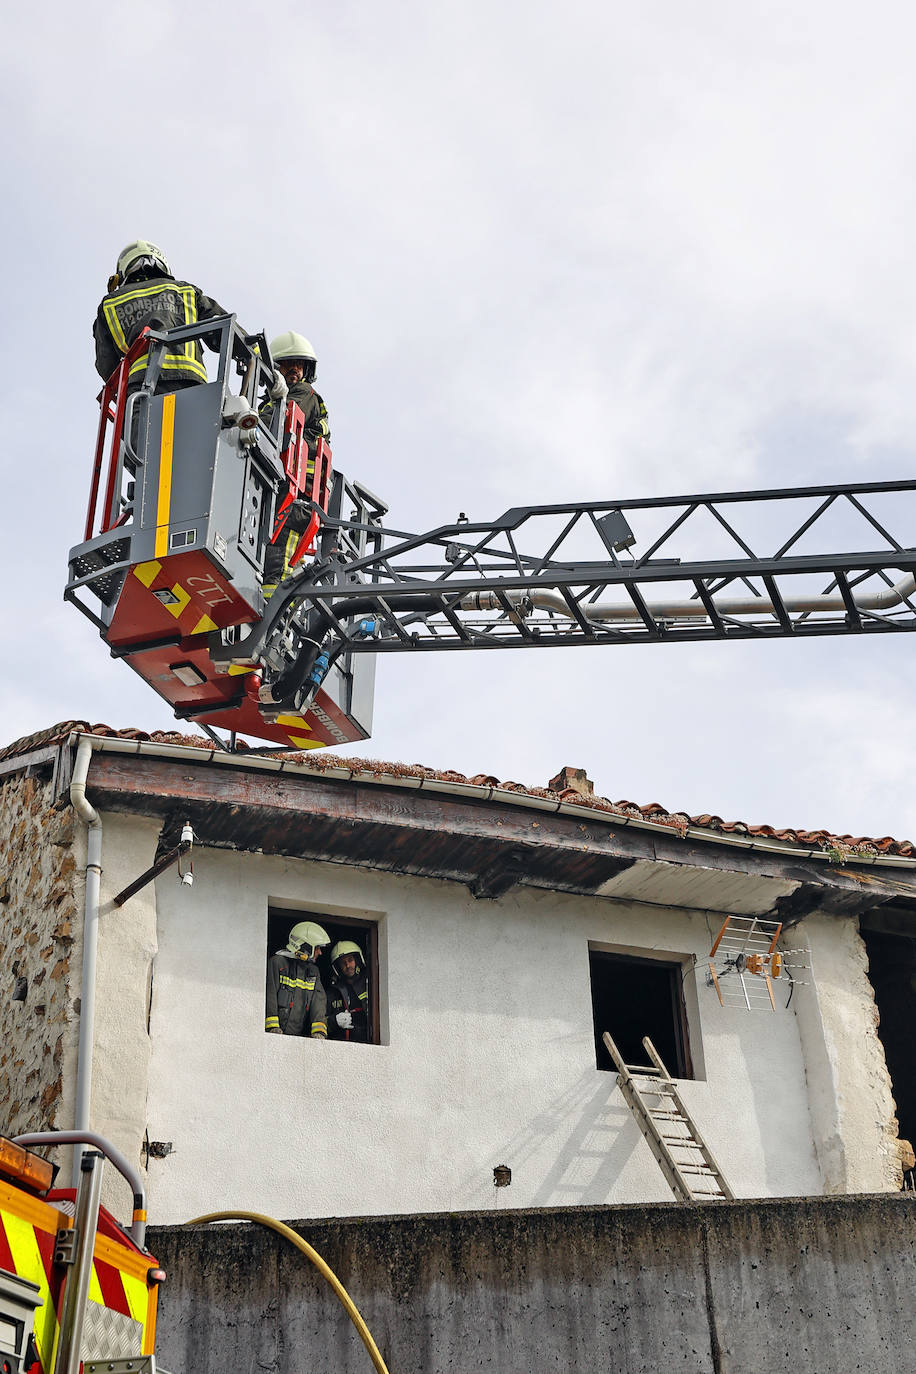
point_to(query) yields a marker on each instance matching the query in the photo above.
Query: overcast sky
(545, 252)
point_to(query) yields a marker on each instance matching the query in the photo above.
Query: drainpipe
(89, 814)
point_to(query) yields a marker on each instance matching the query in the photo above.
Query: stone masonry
(41, 887)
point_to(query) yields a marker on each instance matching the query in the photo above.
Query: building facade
(504, 928)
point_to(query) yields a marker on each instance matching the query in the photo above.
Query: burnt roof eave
(365, 821)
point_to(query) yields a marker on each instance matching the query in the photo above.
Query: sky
(545, 253)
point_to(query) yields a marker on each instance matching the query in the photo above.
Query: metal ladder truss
(683, 1156)
(785, 562)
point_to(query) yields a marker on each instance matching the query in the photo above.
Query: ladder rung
(641, 1085)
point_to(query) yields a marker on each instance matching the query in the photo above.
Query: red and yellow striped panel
(28, 1228)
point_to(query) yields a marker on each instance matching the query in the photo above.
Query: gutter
(254, 763)
(87, 813)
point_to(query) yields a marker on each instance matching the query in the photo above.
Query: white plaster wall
(490, 1057)
(127, 945)
(853, 1121)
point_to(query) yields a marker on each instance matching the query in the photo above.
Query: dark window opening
(892, 972)
(280, 922)
(633, 997)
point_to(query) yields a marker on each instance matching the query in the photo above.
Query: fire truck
(77, 1289)
(188, 489)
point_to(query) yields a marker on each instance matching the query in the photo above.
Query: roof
(845, 846)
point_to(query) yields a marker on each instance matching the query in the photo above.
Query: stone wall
(42, 860)
(850, 1099)
(816, 1284)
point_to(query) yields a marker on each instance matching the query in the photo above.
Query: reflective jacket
(354, 998)
(160, 303)
(296, 999)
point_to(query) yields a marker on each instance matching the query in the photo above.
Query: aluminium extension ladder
(683, 1156)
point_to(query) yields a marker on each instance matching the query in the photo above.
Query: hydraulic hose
(346, 1301)
(315, 631)
(692, 610)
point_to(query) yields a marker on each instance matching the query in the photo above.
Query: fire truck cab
(187, 490)
(77, 1290)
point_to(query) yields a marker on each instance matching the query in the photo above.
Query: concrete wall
(488, 1057)
(821, 1285)
(42, 859)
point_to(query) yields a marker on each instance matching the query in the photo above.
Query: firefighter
(143, 292)
(296, 999)
(348, 1000)
(294, 357)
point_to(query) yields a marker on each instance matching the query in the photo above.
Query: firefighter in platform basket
(294, 358)
(143, 292)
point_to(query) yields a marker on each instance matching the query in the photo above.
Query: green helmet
(346, 947)
(293, 347)
(305, 937)
(140, 256)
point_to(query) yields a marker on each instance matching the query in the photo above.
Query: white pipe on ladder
(689, 610)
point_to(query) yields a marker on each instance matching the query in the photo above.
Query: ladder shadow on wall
(600, 1138)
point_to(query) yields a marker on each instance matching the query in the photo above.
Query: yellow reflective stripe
(271, 1021)
(302, 742)
(172, 363)
(137, 1294)
(109, 308)
(95, 1289)
(289, 548)
(161, 545)
(28, 1264)
(296, 983)
(319, 1028)
(183, 358)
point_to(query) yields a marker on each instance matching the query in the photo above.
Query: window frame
(680, 1022)
(276, 910)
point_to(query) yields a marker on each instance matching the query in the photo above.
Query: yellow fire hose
(346, 1301)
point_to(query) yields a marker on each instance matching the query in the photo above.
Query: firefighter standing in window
(348, 999)
(294, 357)
(296, 999)
(143, 292)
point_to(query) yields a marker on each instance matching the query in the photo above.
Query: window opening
(892, 973)
(363, 933)
(633, 997)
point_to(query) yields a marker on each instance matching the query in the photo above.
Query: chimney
(573, 778)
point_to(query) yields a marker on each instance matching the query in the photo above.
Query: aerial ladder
(188, 489)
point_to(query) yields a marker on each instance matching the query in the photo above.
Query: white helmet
(305, 938)
(293, 347)
(139, 256)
